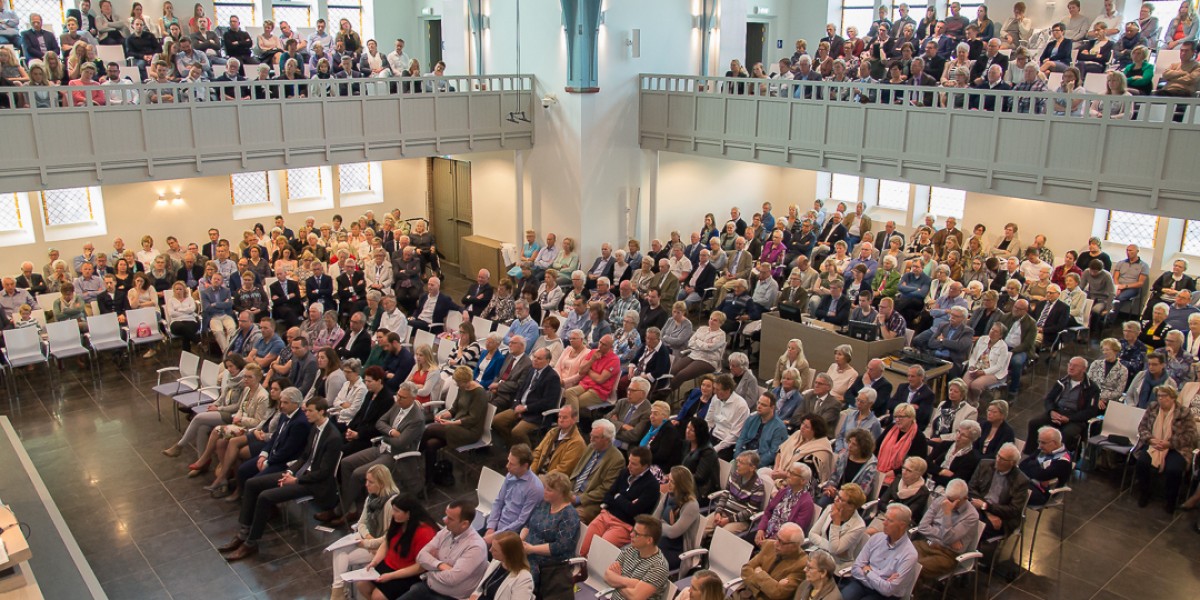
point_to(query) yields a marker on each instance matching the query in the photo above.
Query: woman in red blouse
(396, 560)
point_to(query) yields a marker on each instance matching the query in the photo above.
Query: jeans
(1016, 366)
(857, 590)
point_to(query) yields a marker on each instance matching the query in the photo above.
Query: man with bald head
(479, 294)
(777, 570)
(516, 362)
(1068, 405)
(32, 282)
(12, 298)
(994, 82)
(432, 308)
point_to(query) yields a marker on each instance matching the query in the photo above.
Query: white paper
(344, 542)
(361, 575)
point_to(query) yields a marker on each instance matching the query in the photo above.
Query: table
(896, 372)
(819, 343)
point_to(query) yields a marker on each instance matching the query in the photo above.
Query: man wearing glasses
(777, 571)
(640, 570)
(886, 567)
(999, 490)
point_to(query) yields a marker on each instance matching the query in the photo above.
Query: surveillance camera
(549, 100)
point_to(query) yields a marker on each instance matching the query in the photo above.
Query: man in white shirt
(726, 416)
(113, 77)
(398, 61)
(393, 319)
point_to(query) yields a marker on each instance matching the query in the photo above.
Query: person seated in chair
(834, 308)
(998, 490)
(538, 390)
(312, 474)
(432, 308)
(948, 528)
(1068, 405)
(1048, 468)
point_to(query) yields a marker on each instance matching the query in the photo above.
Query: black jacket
(840, 317)
(1011, 501)
(361, 348)
(923, 401)
(288, 441)
(477, 298)
(440, 310)
(667, 447)
(35, 283)
(882, 387)
(319, 479)
(543, 396)
(980, 68)
(322, 292)
(626, 501)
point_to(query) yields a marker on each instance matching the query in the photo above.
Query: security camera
(549, 100)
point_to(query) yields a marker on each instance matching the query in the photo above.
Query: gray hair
(823, 376)
(868, 393)
(751, 456)
(640, 383)
(957, 489)
(805, 471)
(352, 364)
(739, 359)
(790, 530)
(1054, 432)
(972, 429)
(410, 387)
(632, 314)
(823, 561)
(607, 429)
(292, 394)
(903, 512)
(495, 336)
(1010, 449)
(959, 310)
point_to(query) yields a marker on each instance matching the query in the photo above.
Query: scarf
(893, 451)
(904, 492)
(1161, 430)
(375, 507)
(950, 456)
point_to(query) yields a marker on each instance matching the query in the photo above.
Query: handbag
(556, 582)
(443, 473)
(143, 330)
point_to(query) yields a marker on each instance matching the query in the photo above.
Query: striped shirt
(652, 570)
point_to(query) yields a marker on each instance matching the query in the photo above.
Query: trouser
(1174, 465)
(353, 474)
(421, 591)
(935, 560)
(1071, 431)
(857, 590)
(260, 495)
(976, 384)
(735, 527)
(580, 397)
(201, 426)
(249, 470)
(612, 529)
(223, 329)
(685, 369)
(344, 559)
(11, 37)
(1016, 366)
(188, 331)
(512, 428)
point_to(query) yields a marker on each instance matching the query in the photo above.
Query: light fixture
(427, 11)
(161, 202)
(177, 201)
(761, 10)
(603, 16)
(487, 22)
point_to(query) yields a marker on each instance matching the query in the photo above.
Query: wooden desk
(818, 345)
(20, 583)
(897, 373)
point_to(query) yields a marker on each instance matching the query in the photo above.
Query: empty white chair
(143, 327)
(726, 554)
(65, 342)
(104, 333)
(503, 330)
(22, 347)
(490, 483)
(453, 320)
(187, 380)
(205, 394)
(423, 338)
(482, 327)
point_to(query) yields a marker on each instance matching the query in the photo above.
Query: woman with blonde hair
(10, 67)
(680, 516)
(459, 425)
(1119, 107)
(372, 528)
(424, 374)
(182, 314)
(706, 585)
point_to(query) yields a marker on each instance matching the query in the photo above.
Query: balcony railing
(1125, 152)
(72, 136)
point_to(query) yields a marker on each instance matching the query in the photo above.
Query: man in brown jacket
(596, 471)
(562, 447)
(776, 572)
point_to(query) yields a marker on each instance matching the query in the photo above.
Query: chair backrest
(726, 468)
(600, 556)
(453, 320)
(451, 394)
(443, 352)
(727, 553)
(1020, 444)
(1053, 81)
(1122, 419)
(1087, 312)
(768, 488)
(189, 364)
(1164, 58)
(487, 425)
(908, 336)
(912, 584)
(111, 54)
(39, 316)
(482, 327)
(46, 301)
(422, 337)
(1096, 83)
(502, 330)
(63, 336)
(25, 341)
(104, 328)
(209, 372)
(489, 486)
(142, 316)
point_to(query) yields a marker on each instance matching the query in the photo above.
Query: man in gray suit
(819, 401)
(631, 415)
(508, 382)
(401, 428)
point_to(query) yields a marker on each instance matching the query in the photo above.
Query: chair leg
(1033, 537)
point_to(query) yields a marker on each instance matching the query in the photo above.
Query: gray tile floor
(150, 532)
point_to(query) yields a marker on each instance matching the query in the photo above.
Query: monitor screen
(863, 330)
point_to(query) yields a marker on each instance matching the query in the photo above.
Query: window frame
(855, 7)
(1108, 229)
(96, 224)
(54, 27)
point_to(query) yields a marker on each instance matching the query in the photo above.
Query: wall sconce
(177, 201)
(487, 22)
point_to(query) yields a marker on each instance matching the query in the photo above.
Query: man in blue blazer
(320, 288)
(539, 390)
(432, 308)
(285, 445)
(36, 42)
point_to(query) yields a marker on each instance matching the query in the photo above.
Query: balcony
(213, 129)
(1141, 161)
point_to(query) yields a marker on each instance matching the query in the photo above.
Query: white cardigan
(997, 359)
(519, 587)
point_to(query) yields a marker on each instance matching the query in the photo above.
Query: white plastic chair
(135, 319)
(205, 394)
(22, 347)
(422, 337)
(490, 483)
(453, 320)
(486, 440)
(187, 380)
(502, 330)
(1119, 419)
(726, 554)
(443, 352)
(104, 333)
(65, 342)
(600, 556)
(482, 327)
(726, 467)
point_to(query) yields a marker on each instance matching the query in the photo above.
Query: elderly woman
(1166, 439)
(958, 459)
(742, 497)
(626, 340)
(703, 353)
(1181, 365)
(841, 372)
(642, 277)
(551, 533)
(857, 465)
(995, 431)
(949, 414)
(312, 325)
(549, 294)
(819, 574)
(596, 326)
(459, 425)
(909, 489)
(677, 331)
(329, 334)
(1133, 350)
(1154, 330)
(372, 527)
(680, 516)
(902, 439)
(808, 445)
(988, 364)
(861, 417)
(792, 503)
(1108, 373)
(501, 308)
(569, 363)
(787, 394)
(662, 437)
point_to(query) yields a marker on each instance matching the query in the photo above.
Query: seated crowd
(618, 386)
(952, 54)
(168, 51)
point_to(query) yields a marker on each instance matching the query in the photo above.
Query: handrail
(931, 98)
(112, 96)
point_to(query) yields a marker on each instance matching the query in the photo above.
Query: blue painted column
(581, 21)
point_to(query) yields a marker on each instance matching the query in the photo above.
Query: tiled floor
(150, 532)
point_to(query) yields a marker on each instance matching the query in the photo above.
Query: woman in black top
(701, 459)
